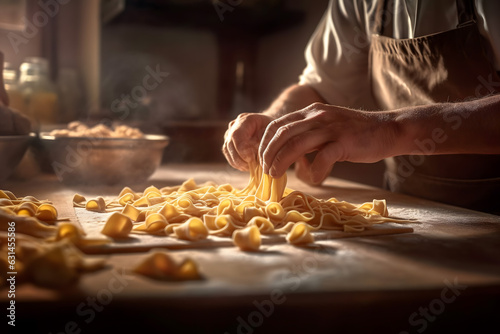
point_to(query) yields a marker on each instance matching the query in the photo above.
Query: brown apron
(450, 66)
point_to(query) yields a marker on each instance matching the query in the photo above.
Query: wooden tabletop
(443, 277)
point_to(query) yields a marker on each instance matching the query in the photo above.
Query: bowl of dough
(102, 154)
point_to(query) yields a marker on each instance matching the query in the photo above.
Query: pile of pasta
(37, 250)
(264, 207)
(48, 255)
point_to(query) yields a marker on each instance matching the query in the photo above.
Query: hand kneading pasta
(265, 206)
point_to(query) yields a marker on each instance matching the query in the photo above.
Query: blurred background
(183, 68)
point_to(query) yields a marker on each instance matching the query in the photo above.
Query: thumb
(304, 172)
(324, 161)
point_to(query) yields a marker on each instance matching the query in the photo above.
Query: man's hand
(242, 139)
(337, 134)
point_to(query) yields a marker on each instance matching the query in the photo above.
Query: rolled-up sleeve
(337, 55)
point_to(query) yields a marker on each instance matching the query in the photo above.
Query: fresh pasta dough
(264, 207)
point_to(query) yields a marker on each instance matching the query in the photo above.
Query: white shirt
(337, 54)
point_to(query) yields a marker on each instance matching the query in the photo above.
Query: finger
(245, 142)
(230, 149)
(233, 157)
(292, 149)
(271, 130)
(303, 170)
(304, 173)
(324, 160)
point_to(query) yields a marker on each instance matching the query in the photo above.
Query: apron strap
(465, 12)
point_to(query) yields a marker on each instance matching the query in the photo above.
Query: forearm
(471, 127)
(293, 98)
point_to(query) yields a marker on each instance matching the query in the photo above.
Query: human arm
(336, 72)
(342, 134)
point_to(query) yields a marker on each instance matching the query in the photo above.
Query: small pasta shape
(160, 266)
(117, 226)
(248, 238)
(300, 235)
(46, 212)
(97, 204)
(193, 229)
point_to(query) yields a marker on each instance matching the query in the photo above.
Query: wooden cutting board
(93, 222)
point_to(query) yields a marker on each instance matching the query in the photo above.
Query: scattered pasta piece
(193, 229)
(59, 264)
(117, 226)
(45, 255)
(25, 224)
(300, 234)
(160, 266)
(79, 201)
(46, 264)
(47, 213)
(132, 212)
(72, 233)
(97, 204)
(248, 238)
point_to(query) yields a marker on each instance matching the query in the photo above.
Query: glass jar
(39, 92)
(12, 87)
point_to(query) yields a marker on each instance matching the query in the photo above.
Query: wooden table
(444, 277)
